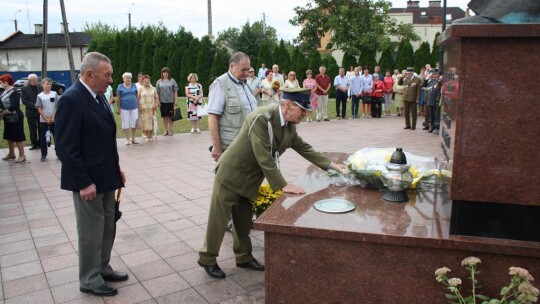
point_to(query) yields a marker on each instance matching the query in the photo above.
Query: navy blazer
(85, 136)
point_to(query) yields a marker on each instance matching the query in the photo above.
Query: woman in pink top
(310, 83)
(388, 90)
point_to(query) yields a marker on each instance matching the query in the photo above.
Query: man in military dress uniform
(254, 155)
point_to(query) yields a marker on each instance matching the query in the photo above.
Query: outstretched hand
(293, 189)
(339, 168)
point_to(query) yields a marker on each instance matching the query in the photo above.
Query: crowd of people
(406, 93)
(246, 140)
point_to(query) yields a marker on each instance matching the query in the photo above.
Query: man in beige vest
(252, 157)
(230, 100)
(411, 96)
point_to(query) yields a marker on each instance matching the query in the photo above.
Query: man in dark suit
(86, 145)
(253, 156)
(29, 94)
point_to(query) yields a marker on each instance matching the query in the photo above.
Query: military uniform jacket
(250, 158)
(411, 89)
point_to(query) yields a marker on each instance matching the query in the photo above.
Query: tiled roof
(429, 15)
(19, 40)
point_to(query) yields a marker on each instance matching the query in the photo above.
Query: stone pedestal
(381, 252)
(489, 128)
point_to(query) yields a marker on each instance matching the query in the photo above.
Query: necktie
(101, 100)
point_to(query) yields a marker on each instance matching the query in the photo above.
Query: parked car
(58, 87)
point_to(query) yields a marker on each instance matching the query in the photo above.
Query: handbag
(177, 114)
(202, 109)
(11, 118)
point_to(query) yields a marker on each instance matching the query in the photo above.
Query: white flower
(442, 271)
(454, 282)
(470, 261)
(523, 273)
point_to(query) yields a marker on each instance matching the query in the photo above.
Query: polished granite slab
(423, 221)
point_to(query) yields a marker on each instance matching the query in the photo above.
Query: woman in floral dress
(148, 102)
(310, 83)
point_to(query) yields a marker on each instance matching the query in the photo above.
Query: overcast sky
(191, 14)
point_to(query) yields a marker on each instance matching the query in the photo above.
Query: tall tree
(298, 64)
(178, 46)
(276, 57)
(435, 51)
(147, 53)
(189, 61)
(422, 56)
(220, 64)
(367, 59)
(314, 61)
(133, 51)
(284, 57)
(204, 62)
(249, 38)
(264, 56)
(405, 55)
(386, 61)
(354, 25)
(120, 59)
(332, 70)
(348, 61)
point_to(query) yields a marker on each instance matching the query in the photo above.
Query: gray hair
(237, 57)
(47, 79)
(30, 76)
(375, 76)
(91, 61)
(127, 74)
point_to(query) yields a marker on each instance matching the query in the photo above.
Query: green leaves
(355, 25)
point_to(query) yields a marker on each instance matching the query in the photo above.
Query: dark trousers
(43, 127)
(33, 128)
(376, 105)
(410, 110)
(434, 115)
(341, 99)
(355, 105)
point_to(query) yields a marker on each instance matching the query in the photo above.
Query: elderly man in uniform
(411, 97)
(252, 157)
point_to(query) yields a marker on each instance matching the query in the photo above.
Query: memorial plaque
(489, 130)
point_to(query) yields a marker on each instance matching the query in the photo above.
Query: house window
(423, 14)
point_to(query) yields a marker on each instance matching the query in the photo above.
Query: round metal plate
(334, 205)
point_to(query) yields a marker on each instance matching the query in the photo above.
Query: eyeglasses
(251, 71)
(292, 74)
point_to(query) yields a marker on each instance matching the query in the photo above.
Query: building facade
(21, 54)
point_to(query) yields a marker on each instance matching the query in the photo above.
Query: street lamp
(15, 20)
(129, 15)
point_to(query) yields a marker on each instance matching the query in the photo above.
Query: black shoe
(213, 271)
(34, 148)
(116, 276)
(430, 131)
(413, 129)
(407, 128)
(326, 119)
(101, 291)
(253, 265)
(425, 128)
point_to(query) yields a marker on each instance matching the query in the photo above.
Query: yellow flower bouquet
(265, 198)
(276, 85)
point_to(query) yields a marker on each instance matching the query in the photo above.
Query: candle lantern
(398, 178)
